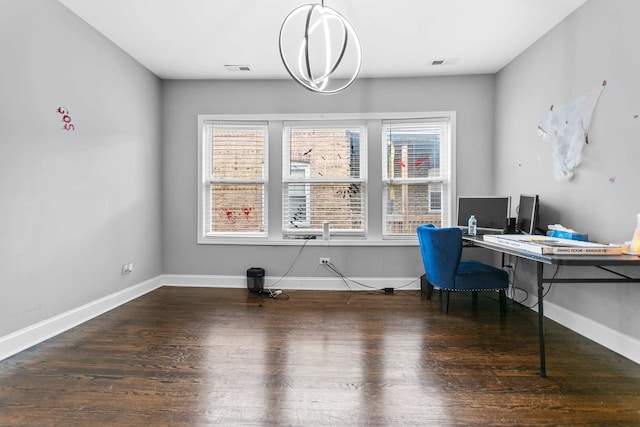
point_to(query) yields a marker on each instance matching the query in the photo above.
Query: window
(320, 174)
(416, 183)
(233, 179)
(323, 178)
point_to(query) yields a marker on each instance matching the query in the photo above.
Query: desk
(598, 261)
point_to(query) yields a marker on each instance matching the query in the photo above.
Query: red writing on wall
(232, 215)
(66, 119)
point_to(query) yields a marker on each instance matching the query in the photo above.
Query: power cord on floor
(273, 294)
(331, 266)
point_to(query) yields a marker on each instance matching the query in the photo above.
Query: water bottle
(473, 225)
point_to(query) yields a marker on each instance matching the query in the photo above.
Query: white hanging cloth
(566, 127)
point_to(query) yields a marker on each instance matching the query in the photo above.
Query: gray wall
(598, 42)
(470, 96)
(74, 205)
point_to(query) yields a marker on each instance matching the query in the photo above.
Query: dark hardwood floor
(198, 356)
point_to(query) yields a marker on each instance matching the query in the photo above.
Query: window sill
(337, 242)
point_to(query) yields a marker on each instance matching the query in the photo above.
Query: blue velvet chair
(441, 253)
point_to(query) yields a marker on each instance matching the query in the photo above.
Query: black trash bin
(255, 279)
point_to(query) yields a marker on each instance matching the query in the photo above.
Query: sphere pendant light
(320, 49)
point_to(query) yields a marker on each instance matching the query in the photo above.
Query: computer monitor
(490, 212)
(527, 214)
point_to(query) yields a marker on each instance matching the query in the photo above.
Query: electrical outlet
(127, 268)
(325, 260)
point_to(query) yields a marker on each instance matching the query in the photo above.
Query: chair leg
(425, 286)
(445, 303)
(503, 301)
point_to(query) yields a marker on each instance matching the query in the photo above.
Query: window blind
(235, 178)
(323, 179)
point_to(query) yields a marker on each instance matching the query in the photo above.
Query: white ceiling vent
(237, 68)
(443, 61)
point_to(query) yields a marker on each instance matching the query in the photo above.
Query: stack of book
(547, 245)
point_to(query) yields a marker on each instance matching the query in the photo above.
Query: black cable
(550, 286)
(407, 284)
(292, 264)
(273, 295)
(333, 268)
(516, 288)
(526, 295)
(344, 278)
(278, 295)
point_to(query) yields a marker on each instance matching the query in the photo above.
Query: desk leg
(540, 271)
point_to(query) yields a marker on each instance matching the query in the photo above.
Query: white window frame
(205, 181)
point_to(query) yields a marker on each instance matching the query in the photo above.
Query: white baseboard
(20, 340)
(295, 283)
(622, 344)
(31, 335)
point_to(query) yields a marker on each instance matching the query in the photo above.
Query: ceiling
(195, 39)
